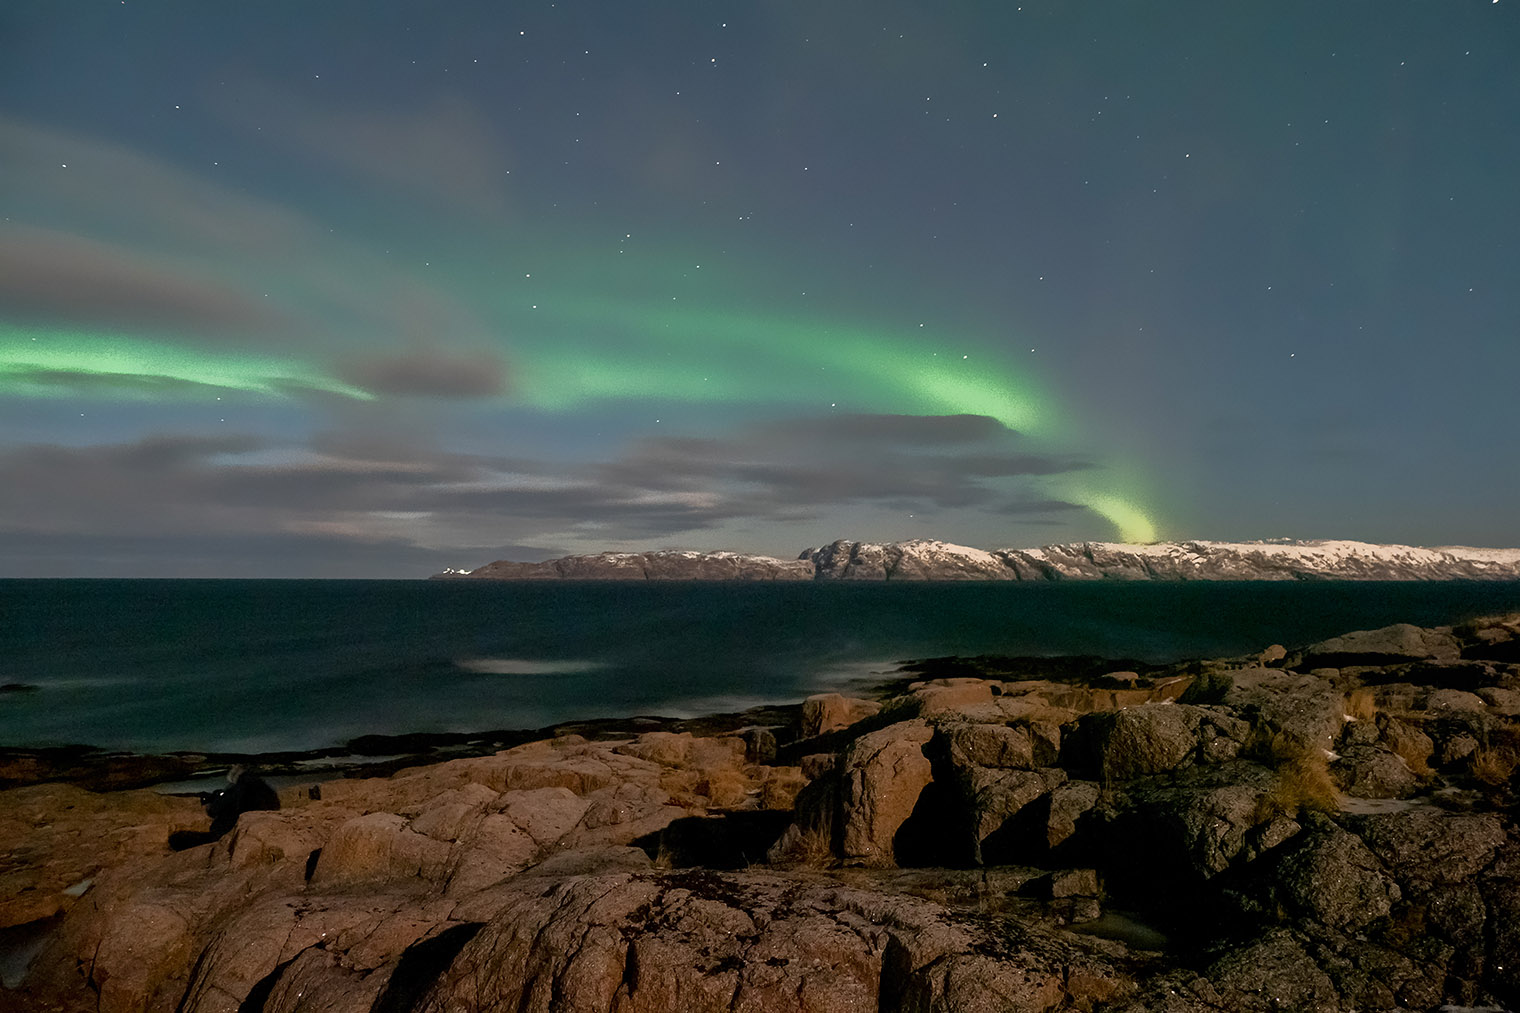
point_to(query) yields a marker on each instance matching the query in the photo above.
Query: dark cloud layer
(253, 555)
(444, 148)
(931, 461)
(428, 373)
(351, 494)
(52, 276)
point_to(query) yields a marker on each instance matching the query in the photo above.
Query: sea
(275, 665)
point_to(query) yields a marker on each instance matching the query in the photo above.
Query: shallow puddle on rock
(1374, 806)
(1126, 929)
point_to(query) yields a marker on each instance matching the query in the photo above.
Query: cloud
(903, 430)
(403, 499)
(444, 148)
(935, 461)
(89, 185)
(788, 472)
(57, 276)
(428, 373)
(128, 234)
(1023, 508)
(250, 555)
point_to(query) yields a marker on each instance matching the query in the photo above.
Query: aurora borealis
(371, 289)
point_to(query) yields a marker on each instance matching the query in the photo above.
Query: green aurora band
(57, 363)
(708, 356)
(593, 353)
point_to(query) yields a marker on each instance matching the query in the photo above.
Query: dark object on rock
(18, 687)
(245, 792)
(733, 840)
(1210, 687)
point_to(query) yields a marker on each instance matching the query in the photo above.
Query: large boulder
(989, 745)
(1427, 845)
(1066, 805)
(829, 712)
(954, 696)
(1372, 772)
(1143, 740)
(683, 749)
(883, 774)
(379, 847)
(1273, 972)
(1171, 835)
(705, 942)
(1302, 712)
(54, 838)
(1331, 877)
(997, 797)
(1388, 645)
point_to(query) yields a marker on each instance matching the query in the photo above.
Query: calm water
(266, 665)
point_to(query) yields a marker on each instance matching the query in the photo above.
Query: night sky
(374, 288)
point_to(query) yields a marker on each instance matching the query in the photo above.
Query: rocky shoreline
(1328, 829)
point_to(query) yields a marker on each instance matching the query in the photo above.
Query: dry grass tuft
(1415, 754)
(1494, 765)
(1362, 704)
(1303, 781)
(806, 846)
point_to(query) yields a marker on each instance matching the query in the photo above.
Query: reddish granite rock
(883, 773)
(828, 712)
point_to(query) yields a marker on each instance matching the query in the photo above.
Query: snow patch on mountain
(929, 559)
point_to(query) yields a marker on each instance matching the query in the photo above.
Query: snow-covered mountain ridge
(925, 559)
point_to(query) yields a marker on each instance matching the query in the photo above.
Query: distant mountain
(661, 565)
(923, 559)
